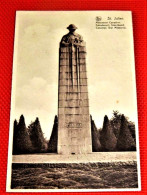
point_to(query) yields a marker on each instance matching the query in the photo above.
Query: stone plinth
(74, 130)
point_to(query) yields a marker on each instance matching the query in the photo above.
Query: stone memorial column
(74, 129)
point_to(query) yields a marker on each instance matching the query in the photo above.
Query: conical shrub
(21, 139)
(107, 138)
(37, 137)
(52, 144)
(125, 140)
(96, 145)
(15, 135)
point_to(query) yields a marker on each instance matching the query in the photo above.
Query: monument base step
(81, 158)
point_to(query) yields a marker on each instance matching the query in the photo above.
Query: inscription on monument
(73, 125)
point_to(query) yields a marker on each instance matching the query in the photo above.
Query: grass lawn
(75, 176)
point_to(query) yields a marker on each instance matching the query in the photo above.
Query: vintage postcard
(73, 124)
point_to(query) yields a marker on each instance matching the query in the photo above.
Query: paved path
(94, 157)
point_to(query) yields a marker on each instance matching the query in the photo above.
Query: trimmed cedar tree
(37, 138)
(108, 139)
(52, 144)
(96, 145)
(131, 126)
(116, 122)
(21, 139)
(125, 140)
(15, 135)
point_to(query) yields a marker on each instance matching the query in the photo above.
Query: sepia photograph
(73, 121)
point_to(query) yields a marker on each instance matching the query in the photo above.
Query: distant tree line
(117, 134)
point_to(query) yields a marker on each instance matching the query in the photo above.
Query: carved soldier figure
(72, 38)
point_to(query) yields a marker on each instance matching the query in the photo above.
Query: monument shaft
(74, 129)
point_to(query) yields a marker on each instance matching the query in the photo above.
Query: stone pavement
(81, 158)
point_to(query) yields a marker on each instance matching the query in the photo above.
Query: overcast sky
(110, 65)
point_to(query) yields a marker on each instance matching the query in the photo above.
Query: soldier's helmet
(72, 26)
